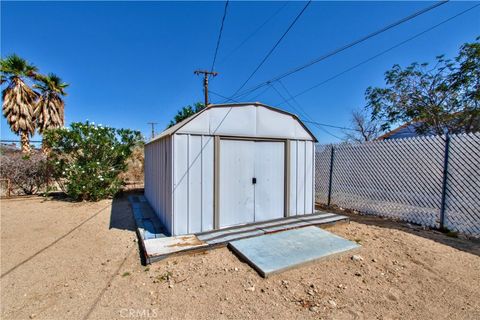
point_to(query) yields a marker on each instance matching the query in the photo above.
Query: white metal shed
(228, 165)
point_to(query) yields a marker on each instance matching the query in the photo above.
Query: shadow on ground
(464, 244)
(121, 215)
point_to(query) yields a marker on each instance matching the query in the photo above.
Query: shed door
(251, 182)
(236, 189)
(270, 180)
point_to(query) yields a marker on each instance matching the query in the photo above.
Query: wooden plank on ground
(169, 245)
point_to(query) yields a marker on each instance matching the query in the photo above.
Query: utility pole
(205, 81)
(153, 127)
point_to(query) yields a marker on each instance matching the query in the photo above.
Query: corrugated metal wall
(193, 183)
(158, 179)
(302, 184)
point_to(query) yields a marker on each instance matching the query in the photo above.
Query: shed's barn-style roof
(192, 128)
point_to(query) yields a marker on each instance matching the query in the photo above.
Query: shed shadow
(121, 214)
(470, 245)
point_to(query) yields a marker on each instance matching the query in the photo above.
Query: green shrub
(87, 159)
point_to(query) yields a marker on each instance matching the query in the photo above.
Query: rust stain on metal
(187, 241)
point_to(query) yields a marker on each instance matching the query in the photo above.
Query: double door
(251, 181)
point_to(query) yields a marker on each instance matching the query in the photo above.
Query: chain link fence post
(444, 181)
(329, 198)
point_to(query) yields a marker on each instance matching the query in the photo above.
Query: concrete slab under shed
(276, 252)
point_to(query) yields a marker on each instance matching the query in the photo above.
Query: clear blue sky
(130, 63)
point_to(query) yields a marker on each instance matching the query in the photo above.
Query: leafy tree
(49, 108)
(186, 112)
(365, 129)
(87, 159)
(443, 98)
(18, 98)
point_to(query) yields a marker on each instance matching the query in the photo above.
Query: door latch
(254, 180)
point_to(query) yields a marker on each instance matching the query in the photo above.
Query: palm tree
(18, 97)
(49, 108)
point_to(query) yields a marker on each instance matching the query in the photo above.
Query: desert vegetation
(27, 174)
(86, 160)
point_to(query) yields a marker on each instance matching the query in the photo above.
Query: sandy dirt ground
(63, 260)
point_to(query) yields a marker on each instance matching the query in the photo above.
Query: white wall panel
(274, 124)
(169, 185)
(293, 177)
(158, 184)
(162, 187)
(309, 176)
(194, 184)
(301, 178)
(180, 184)
(301, 133)
(146, 171)
(200, 125)
(233, 121)
(207, 182)
(158, 179)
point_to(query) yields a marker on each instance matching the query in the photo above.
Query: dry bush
(27, 174)
(135, 166)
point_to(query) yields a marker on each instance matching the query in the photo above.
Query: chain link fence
(432, 181)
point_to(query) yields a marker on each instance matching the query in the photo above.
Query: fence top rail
(442, 137)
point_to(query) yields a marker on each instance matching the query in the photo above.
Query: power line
(349, 69)
(330, 125)
(274, 47)
(307, 116)
(299, 111)
(343, 48)
(233, 100)
(355, 66)
(292, 97)
(254, 32)
(219, 35)
(222, 96)
(289, 94)
(253, 98)
(313, 122)
(379, 54)
(326, 131)
(295, 100)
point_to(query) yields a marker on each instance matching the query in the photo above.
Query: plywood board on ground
(168, 245)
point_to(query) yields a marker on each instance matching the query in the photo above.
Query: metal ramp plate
(276, 252)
